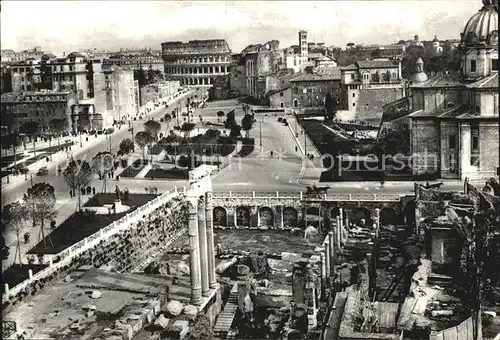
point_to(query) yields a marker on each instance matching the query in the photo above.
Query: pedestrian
(71, 194)
(117, 177)
(93, 190)
(112, 174)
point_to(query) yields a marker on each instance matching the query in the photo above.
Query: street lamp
(260, 130)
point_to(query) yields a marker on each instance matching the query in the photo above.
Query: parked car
(93, 132)
(43, 171)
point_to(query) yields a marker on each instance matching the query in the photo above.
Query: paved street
(65, 205)
(285, 170)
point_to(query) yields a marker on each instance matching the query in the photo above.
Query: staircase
(226, 317)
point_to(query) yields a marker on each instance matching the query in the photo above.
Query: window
(353, 104)
(474, 159)
(473, 66)
(494, 64)
(281, 94)
(452, 141)
(353, 94)
(352, 76)
(304, 90)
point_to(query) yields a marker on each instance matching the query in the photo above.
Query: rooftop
(330, 73)
(377, 64)
(486, 82)
(440, 80)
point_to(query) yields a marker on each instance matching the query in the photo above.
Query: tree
(187, 128)
(14, 215)
(142, 139)
(212, 133)
(246, 124)
(230, 120)
(151, 76)
(153, 127)
(59, 126)
(126, 146)
(235, 131)
(31, 129)
(168, 119)
(103, 164)
(40, 201)
(220, 114)
(77, 176)
(329, 107)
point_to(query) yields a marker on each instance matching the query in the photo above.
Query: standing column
(333, 254)
(212, 279)
(202, 232)
(194, 256)
(327, 258)
(282, 216)
(337, 232)
(377, 222)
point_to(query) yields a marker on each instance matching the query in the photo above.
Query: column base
(214, 285)
(205, 293)
(196, 301)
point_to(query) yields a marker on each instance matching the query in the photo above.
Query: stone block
(162, 322)
(180, 327)
(191, 311)
(96, 294)
(175, 307)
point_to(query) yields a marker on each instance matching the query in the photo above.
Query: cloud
(67, 25)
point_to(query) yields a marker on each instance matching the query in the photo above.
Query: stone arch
(312, 211)
(312, 217)
(290, 217)
(220, 217)
(243, 216)
(388, 216)
(266, 217)
(356, 214)
(334, 212)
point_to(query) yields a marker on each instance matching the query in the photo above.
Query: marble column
(333, 253)
(337, 230)
(377, 222)
(194, 255)
(202, 232)
(212, 279)
(328, 257)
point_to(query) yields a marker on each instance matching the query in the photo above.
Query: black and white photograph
(250, 170)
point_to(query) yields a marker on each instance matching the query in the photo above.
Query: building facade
(309, 90)
(196, 62)
(454, 122)
(12, 56)
(72, 73)
(116, 95)
(369, 85)
(304, 48)
(281, 98)
(134, 61)
(40, 107)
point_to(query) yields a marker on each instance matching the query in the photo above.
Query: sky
(68, 25)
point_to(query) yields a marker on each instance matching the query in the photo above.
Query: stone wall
(425, 144)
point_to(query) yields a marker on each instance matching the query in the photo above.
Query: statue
(117, 193)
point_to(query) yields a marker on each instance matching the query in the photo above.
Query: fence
(463, 331)
(302, 196)
(67, 255)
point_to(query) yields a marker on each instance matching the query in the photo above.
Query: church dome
(482, 27)
(419, 77)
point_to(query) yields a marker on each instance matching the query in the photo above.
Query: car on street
(43, 171)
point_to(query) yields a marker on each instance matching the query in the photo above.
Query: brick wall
(488, 148)
(370, 102)
(449, 153)
(237, 79)
(425, 146)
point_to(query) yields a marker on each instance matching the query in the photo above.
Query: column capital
(201, 202)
